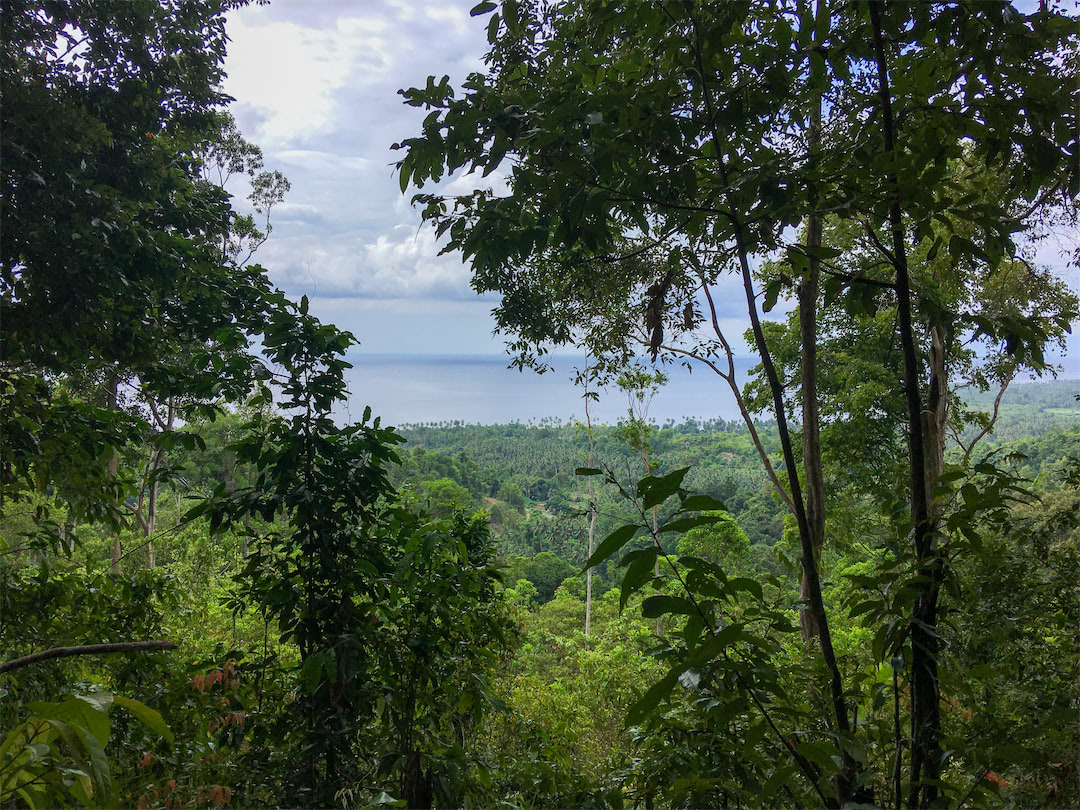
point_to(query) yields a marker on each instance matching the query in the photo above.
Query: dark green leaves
(662, 604)
(654, 490)
(647, 703)
(612, 544)
(693, 503)
(639, 570)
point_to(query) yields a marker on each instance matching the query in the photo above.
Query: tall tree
(109, 229)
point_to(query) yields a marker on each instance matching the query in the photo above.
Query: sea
(414, 389)
(422, 389)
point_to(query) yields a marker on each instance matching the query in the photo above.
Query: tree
(109, 229)
(722, 543)
(101, 119)
(392, 610)
(640, 387)
(679, 141)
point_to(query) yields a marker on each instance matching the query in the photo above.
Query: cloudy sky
(315, 83)
(316, 86)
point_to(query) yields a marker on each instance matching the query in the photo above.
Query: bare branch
(86, 649)
(884, 251)
(989, 425)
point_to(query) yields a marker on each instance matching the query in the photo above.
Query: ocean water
(480, 389)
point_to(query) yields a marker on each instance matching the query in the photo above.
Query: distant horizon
(1070, 370)
(480, 389)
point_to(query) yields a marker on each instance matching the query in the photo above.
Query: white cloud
(402, 262)
(406, 262)
(321, 161)
(289, 74)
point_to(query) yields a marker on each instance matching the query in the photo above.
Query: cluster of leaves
(726, 722)
(58, 752)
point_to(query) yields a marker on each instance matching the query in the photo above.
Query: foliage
(545, 571)
(106, 136)
(391, 611)
(1015, 705)
(561, 740)
(116, 222)
(343, 634)
(58, 753)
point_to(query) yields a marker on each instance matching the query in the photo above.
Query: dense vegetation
(214, 594)
(552, 730)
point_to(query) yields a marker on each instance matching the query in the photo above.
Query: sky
(315, 84)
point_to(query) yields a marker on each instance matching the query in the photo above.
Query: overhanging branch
(86, 649)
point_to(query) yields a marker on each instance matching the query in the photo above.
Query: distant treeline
(523, 475)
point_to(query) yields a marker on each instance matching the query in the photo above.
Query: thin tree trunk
(811, 423)
(993, 417)
(592, 510)
(151, 507)
(809, 563)
(925, 695)
(656, 565)
(67, 533)
(112, 397)
(934, 418)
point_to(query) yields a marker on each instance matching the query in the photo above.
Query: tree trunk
(925, 695)
(809, 562)
(151, 507)
(934, 418)
(592, 514)
(811, 422)
(417, 784)
(112, 397)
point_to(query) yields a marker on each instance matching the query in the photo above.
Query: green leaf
(588, 471)
(865, 607)
(692, 631)
(482, 8)
(821, 754)
(611, 544)
(150, 718)
(639, 571)
(654, 490)
(798, 261)
(77, 711)
(712, 646)
(648, 702)
(707, 567)
(777, 780)
(825, 252)
(85, 748)
(831, 288)
(934, 249)
(690, 679)
(745, 584)
(687, 523)
(701, 503)
(662, 604)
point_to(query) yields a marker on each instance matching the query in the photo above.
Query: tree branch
(989, 425)
(86, 649)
